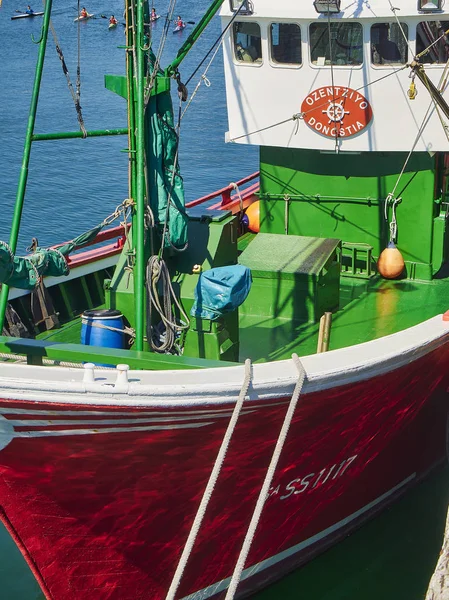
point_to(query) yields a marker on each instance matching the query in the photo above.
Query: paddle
(19, 11)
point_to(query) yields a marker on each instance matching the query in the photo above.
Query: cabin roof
(350, 9)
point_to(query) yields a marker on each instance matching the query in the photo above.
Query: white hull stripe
(101, 422)
(61, 432)
(277, 558)
(5, 410)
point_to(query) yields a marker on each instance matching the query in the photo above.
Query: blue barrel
(102, 328)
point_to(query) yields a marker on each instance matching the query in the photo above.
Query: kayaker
(179, 22)
(29, 10)
(153, 15)
(113, 20)
(84, 13)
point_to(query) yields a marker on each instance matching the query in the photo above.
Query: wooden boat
(26, 15)
(102, 470)
(89, 16)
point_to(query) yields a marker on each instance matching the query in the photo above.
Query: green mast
(27, 150)
(139, 220)
(193, 37)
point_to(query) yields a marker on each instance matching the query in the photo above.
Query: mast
(21, 189)
(193, 37)
(137, 147)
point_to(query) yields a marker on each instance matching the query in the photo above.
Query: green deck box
(294, 277)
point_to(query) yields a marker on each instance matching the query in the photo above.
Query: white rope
(263, 495)
(17, 358)
(237, 190)
(210, 485)
(393, 9)
(421, 129)
(203, 77)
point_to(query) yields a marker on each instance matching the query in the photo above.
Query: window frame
(431, 19)
(410, 45)
(335, 66)
(244, 63)
(282, 65)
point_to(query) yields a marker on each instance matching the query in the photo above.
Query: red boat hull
(101, 498)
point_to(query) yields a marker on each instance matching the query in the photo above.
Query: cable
(234, 16)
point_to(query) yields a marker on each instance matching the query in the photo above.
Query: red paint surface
(105, 516)
(336, 111)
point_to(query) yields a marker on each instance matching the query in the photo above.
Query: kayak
(83, 18)
(25, 15)
(112, 25)
(153, 19)
(178, 28)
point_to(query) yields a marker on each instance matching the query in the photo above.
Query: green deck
(370, 309)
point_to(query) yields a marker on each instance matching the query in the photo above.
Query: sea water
(74, 184)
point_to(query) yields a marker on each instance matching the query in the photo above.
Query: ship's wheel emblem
(336, 112)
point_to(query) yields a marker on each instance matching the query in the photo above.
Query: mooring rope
(210, 484)
(263, 495)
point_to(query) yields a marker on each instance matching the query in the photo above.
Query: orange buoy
(253, 214)
(391, 263)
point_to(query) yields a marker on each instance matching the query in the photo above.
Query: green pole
(21, 189)
(139, 272)
(190, 41)
(67, 135)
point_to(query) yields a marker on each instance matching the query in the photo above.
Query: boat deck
(369, 309)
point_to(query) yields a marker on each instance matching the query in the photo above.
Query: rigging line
(332, 74)
(217, 41)
(426, 50)
(202, 78)
(168, 20)
(78, 66)
(293, 118)
(443, 125)
(418, 135)
(297, 116)
(65, 70)
(400, 27)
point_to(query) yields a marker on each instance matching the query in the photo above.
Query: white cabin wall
(259, 96)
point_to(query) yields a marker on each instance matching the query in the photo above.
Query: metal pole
(139, 271)
(21, 189)
(67, 135)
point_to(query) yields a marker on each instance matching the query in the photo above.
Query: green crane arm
(190, 41)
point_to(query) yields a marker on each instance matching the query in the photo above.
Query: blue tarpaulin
(221, 290)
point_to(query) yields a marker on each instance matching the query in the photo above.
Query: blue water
(74, 184)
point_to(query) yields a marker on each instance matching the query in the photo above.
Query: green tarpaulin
(161, 154)
(25, 272)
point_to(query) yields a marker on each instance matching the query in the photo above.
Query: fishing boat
(212, 394)
(88, 16)
(26, 15)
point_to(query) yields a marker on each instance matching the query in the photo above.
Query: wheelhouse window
(247, 42)
(285, 43)
(388, 44)
(338, 44)
(432, 35)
